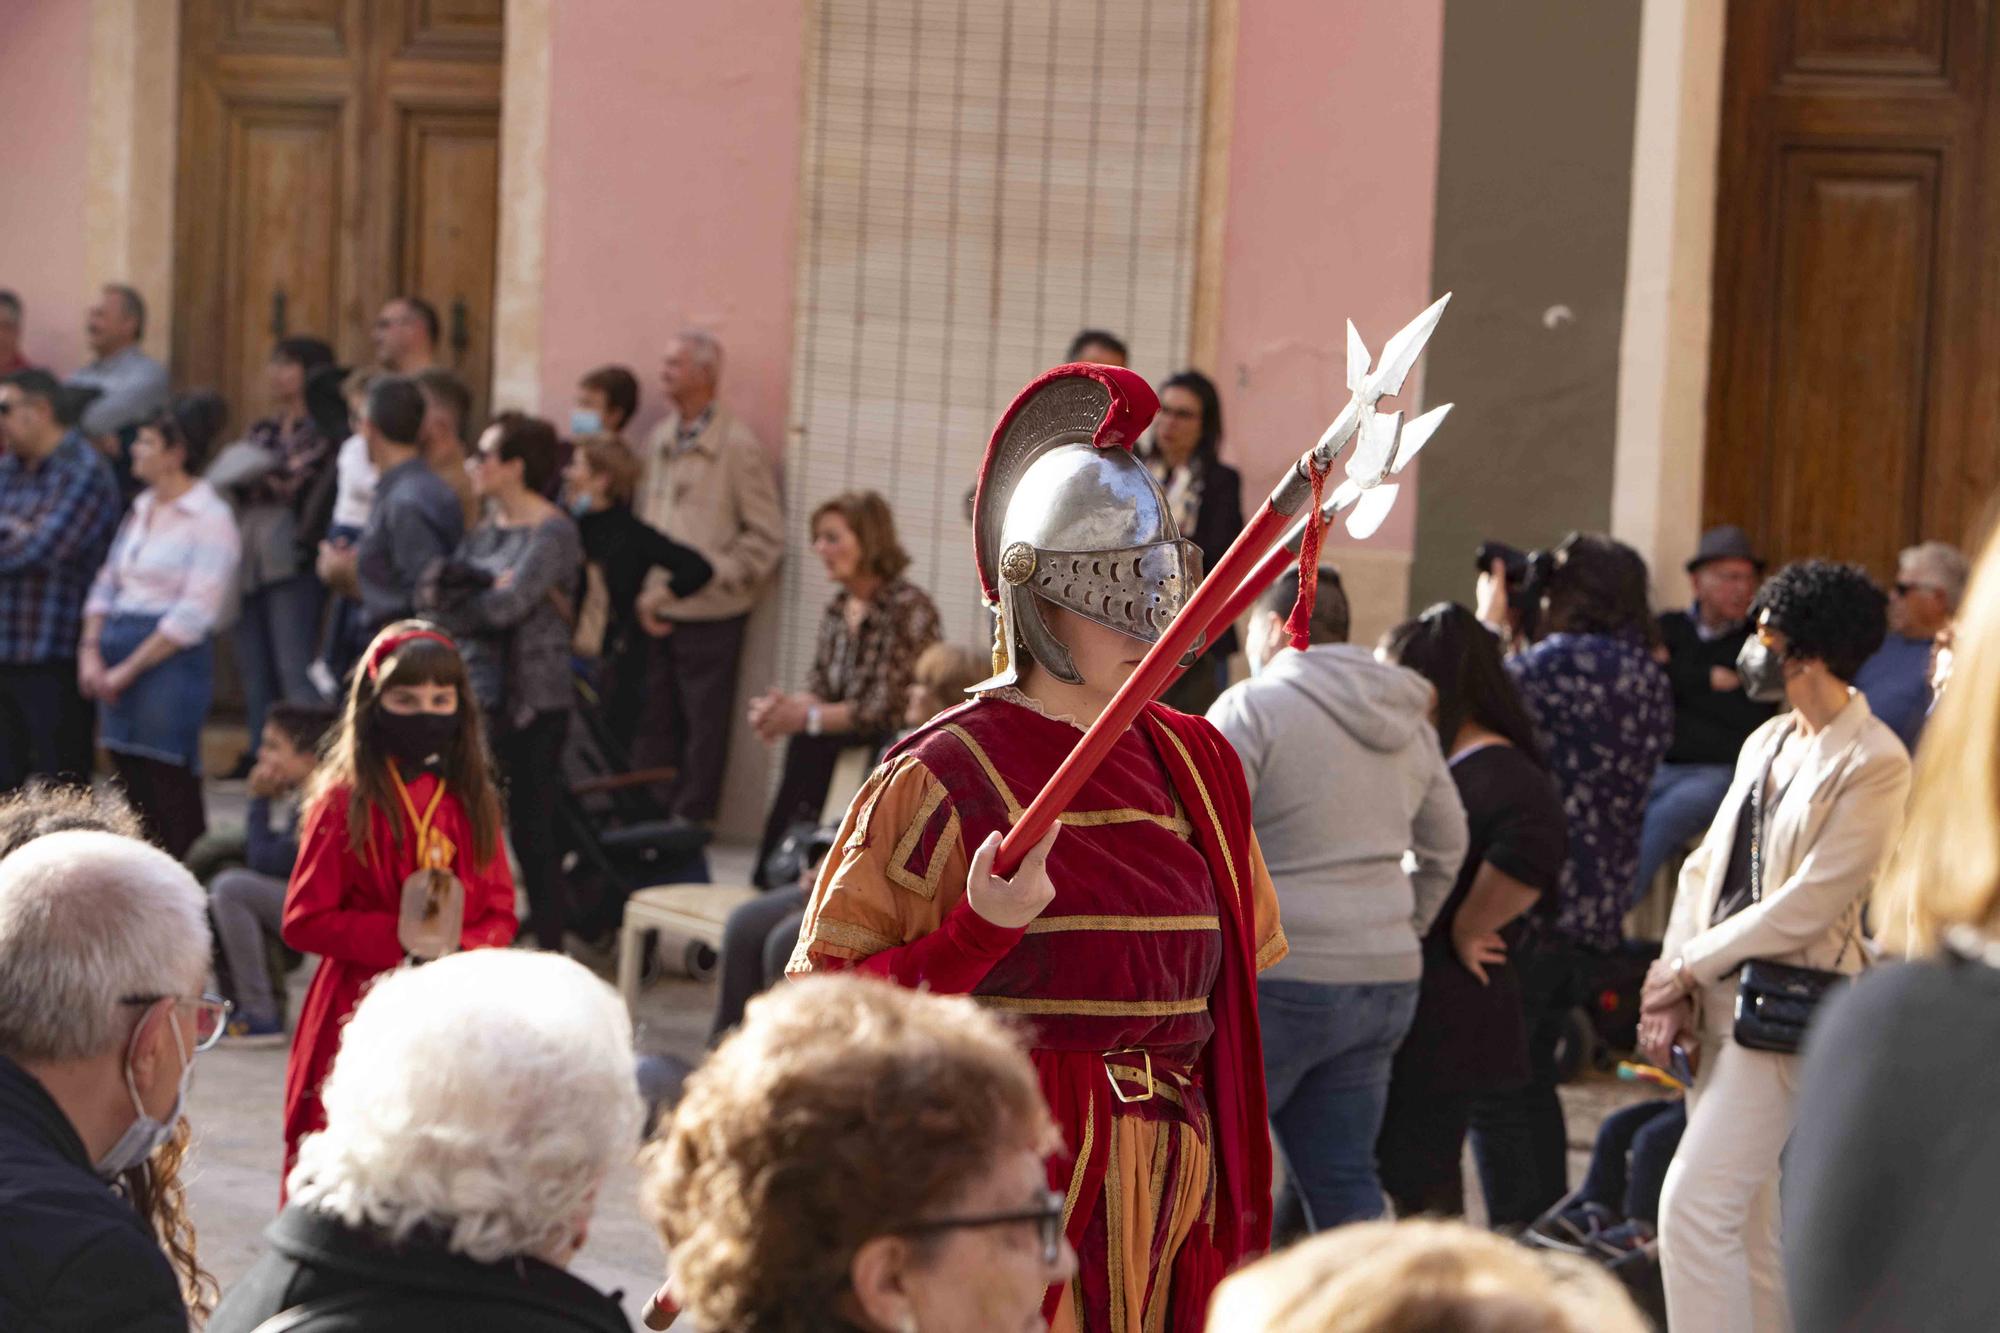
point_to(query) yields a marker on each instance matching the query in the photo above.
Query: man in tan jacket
(709, 484)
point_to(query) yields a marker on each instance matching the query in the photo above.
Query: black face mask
(416, 740)
(1762, 671)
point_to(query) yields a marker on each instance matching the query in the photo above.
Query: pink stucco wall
(1332, 177)
(673, 181)
(45, 106)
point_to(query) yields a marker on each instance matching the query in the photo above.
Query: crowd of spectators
(1457, 824)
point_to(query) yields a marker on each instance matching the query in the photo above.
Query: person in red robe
(404, 787)
(1129, 942)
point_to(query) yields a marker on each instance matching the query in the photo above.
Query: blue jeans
(1327, 1053)
(1679, 809)
(275, 639)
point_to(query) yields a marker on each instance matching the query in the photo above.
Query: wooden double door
(1854, 387)
(334, 153)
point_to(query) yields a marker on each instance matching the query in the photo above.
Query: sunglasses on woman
(1047, 1217)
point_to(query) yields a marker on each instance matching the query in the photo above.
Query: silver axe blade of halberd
(1386, 445)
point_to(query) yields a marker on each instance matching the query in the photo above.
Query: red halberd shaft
(1225, 584)
(1275, 562)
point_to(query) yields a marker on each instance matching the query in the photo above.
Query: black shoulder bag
(1775, 1002)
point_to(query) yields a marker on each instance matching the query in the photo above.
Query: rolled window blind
(981, 179)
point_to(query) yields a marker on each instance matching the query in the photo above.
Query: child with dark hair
(401, 841)
(247, 902)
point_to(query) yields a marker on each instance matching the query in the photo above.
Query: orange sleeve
(1271, 943)
(320, 915)
(872, 909)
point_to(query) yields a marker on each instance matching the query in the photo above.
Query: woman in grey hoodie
(1347, 783)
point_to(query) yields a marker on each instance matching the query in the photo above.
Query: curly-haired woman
(859, 1156)
(1810, 819)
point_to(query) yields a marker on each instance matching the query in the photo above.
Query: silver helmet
(1066, 514)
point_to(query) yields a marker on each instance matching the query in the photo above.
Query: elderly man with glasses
(104, 945)
(1930, 580)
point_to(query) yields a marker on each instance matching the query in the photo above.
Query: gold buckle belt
(1112, 1071)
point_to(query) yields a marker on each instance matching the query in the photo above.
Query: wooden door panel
(452, 29)
(1904, 37)
(1849, 361)
(342, 151)
(449, 203)
(1851, 357)
(282, 274)
(304, 27)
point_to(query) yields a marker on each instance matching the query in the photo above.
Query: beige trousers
(1719, 1242)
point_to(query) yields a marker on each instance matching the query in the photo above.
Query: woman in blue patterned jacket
(1604, 714)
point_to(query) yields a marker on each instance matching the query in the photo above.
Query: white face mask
(137, 1143)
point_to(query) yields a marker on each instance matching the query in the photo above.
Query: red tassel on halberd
(1299, 623)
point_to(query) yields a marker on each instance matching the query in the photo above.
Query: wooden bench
(688, 918)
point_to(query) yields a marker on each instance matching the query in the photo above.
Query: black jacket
(625, 548)
(73, 1255)
(365, 1285)
(1891, 1173)
(1218, 520)
(1709, 726)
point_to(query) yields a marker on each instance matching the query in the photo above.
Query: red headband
(389, 643)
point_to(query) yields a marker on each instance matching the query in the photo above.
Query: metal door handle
(460, 318)
(278, 313)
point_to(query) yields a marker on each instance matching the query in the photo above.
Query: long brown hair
(158, 1194)
(354, 761)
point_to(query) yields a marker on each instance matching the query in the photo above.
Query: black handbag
(1775, 1002)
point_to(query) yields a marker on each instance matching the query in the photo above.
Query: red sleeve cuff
(977, 938)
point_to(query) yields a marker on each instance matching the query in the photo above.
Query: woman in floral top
(277, 628)
(1604, 714)
(870, 637)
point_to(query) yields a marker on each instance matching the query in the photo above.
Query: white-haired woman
(475, 1107)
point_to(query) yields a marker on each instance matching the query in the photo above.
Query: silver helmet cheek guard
(1136, 591)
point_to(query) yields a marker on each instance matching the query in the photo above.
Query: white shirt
(354, 484)
(176, 561)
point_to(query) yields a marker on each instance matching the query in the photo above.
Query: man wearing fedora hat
(1712, 714)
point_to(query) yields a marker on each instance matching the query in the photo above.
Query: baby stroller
(617, 833)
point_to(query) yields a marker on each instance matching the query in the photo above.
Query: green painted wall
(1534, 193)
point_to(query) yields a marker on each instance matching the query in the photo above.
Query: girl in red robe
(404, 786)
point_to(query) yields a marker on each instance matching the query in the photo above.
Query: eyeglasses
(1048, 1220)
(211, 1014)
(1182, 413)
(1903, 589)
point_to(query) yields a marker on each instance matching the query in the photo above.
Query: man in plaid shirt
(58, 509)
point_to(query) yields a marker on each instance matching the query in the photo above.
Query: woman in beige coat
(1834, 781)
